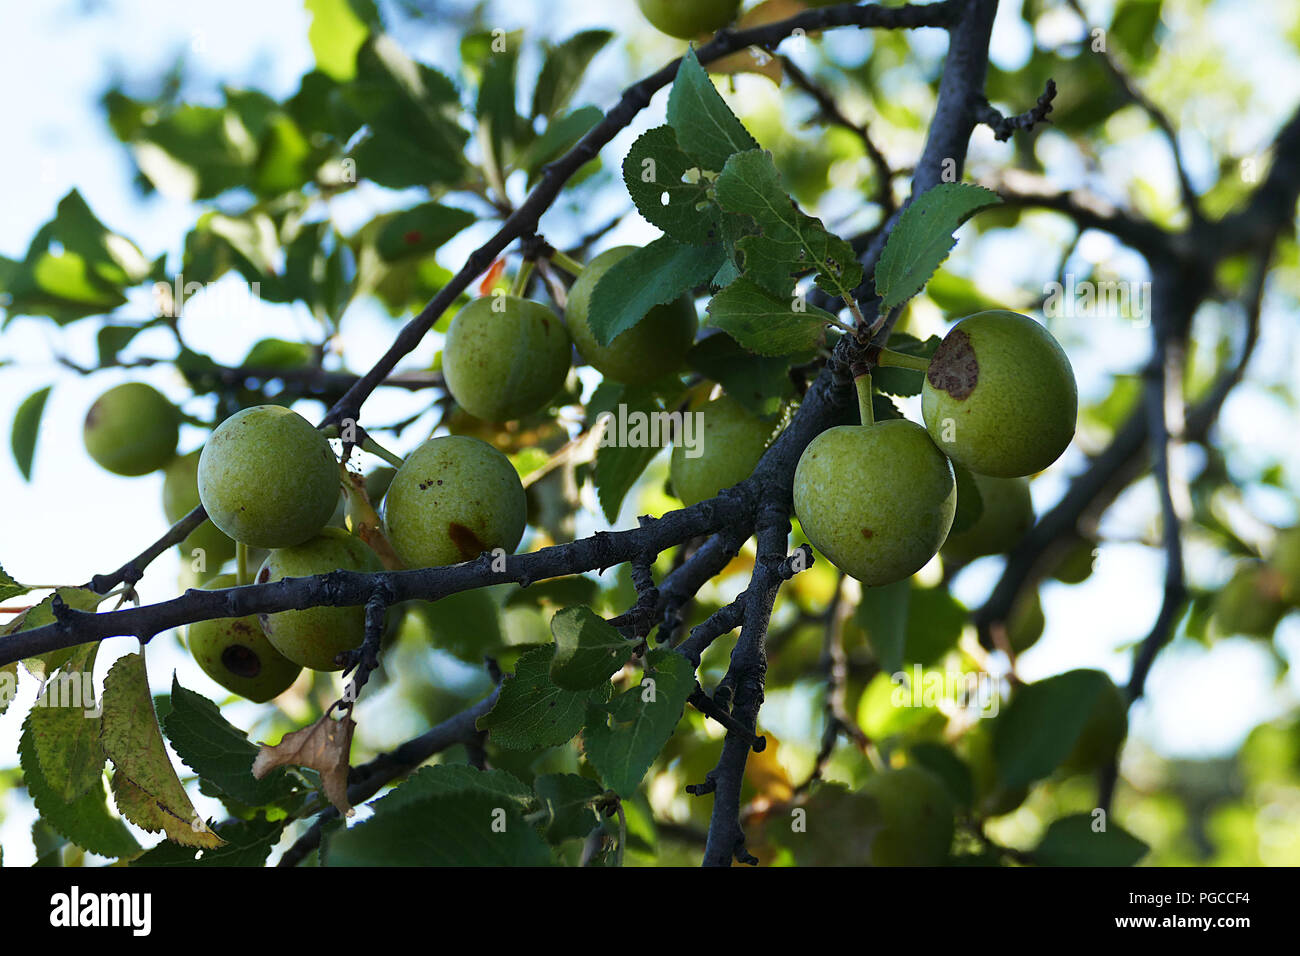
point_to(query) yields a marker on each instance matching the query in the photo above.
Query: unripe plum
(877, 500)
(235, 653)
(915, 816)
(267, 478)
(454, 498)
(999, 396)
(505, 357)
(180, 497)
(1008, 513)
(649, 350)
(729, 442)
(687, 19)
(132, 429)
(315, 636)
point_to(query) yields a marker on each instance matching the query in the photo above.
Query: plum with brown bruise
(999, 396)
(454, 498)
(235, 652)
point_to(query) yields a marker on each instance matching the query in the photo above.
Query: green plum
(877, 500)
(314, 637)
(1007, 514)
(505, 357)
(1250, 603)
(235, 653)
(132, 429)
(687, 19)
(999, 396)
(1103, 732)
(267, 478)
(180, 497)
(649, 350)
(915, 817)
(726, 444)
(377, 483)
(454, 498)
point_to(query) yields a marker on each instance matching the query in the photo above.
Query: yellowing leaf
(146, 787)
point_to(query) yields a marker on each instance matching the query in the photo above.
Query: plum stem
(379, 451)
(520, 285)
(863, 384)
(566, 262)
(888, 358)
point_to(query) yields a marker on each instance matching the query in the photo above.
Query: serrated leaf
(468, 828)
(563, 69)
(970, 503)
(219, 752)
(765, 324)
(588, 650)
(146, 787)
(619, 463)
(923, 237)
(706, 128)
(441, 780)
(64, 728)
(247, 843)
(27, 425)
(1038, 729)
(86, 821)
(653, 275)
(643, 718)
(1072, 841)
(9, 588)
(42, 665)
(668, 191)
(883, 408)
(788, 241)
(567, 799)
(759, 382)
(531, 712)
(421, 230)
(8, 685)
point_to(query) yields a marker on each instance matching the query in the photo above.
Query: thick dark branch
(1271, 208)
(1004, 126)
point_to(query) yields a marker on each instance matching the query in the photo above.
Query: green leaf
(970, 503)
(643, 718)
(668, 191)
(882, 614)
(761, 383)
(1038, 729)
(86, 821)
(531, 712)
(248, 843)
(467, 828)
(285, 158)
(588, 650)
(620, 463)
(8, 681)
(562, 134)
(653, 275)
(219, 752)
(420, 231)
(706, 128)
(496, 93)
(923, 237)
(466, 624)
(763, 323)
(563, 69)
(789, 241)
(442, 780)
(111, 339)
(934, 623)
(1072, 841)
(27, 424)
(64, 728)
(336, 33)
(948, 767)
(9, 588)
(567, 799)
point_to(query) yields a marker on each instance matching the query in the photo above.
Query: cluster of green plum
(505, 357)
(1261, 591)
(878, 499)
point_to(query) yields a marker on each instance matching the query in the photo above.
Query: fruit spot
(954, 368)
(241, 661)
(412, 237)
(263, 576)
(465, 540)
(868, 533)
